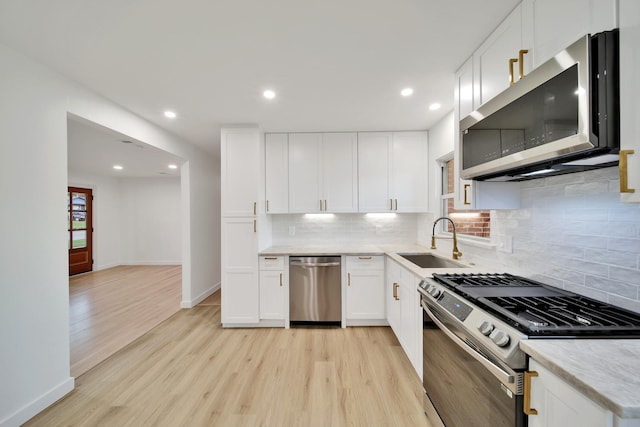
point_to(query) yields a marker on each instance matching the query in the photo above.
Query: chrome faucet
(456, 253)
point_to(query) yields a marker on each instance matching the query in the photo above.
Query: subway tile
(624, 245)
(585, 241)
(585, 266)
(612, 257)
(587, 188)
(629, 213)
(611, 286)
(565, 274)
(626, 275)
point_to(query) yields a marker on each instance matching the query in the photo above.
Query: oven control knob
(485, 328)
(435, 292)
(501, 338)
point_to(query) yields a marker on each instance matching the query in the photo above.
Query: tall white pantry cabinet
(240, 157)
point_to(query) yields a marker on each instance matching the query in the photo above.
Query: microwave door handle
(498, 372)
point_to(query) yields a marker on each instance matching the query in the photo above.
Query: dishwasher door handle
(315, 264)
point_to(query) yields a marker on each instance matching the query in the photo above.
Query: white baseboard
(105, 266)
(33, 408)
(197, 300)
(367, 322)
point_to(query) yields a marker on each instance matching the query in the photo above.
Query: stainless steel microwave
(562, 117)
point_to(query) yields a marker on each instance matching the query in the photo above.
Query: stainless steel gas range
(472, 324)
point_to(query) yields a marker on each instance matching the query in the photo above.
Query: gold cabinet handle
(466, 196)
(521, 54)
(395, 291)
(511, 78)
(271, 258)
(390, 204)
(527, 393)
(396, 204)
(280, 279)
(267, 207)
(364, 257)
(320, 205)
(325, 205)
(255, 205)
(348, 279)
(624, 172)
(255, 226)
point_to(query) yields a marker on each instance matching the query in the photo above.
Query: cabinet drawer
(365, 262)
(271, 262)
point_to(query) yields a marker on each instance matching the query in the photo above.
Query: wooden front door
(79, 230)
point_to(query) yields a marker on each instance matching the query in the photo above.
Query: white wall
(34, 302)
(150, 216)
(106, 216)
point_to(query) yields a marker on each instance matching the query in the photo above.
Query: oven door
(463, 388)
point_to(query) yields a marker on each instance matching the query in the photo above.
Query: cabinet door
(557, 24)
(304, 172)
(365, 295)
(409, 172)
(560, 405)
(629, 95)
(272, 295)
(340, 172)
(240, 171)
(373, 171)
(491, 60)
(393, 277)
(463, 91)
(408, 293)
(240, 293)
(277, 173)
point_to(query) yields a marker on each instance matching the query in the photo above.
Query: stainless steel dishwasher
(314, 289)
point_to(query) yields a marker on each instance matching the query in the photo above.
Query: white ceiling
(334, 64)
(95, 150)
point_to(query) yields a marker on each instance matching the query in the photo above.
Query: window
(475, 223)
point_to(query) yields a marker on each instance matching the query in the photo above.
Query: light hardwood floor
(188, 371)
(109, 309)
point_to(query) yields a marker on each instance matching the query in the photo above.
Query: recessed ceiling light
(435, 106)
(117, 167)
(269, 94)
(406, 91)
(173, 166)
(170, 114)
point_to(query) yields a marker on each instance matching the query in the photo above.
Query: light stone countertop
(605, 370)
(391, 250)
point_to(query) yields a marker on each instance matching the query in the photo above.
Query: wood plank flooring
(188, 371)
(109, 309)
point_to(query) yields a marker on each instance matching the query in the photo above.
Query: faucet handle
(456, 254)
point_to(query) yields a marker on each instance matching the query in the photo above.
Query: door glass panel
(79, 220)
(79, 239)
(68, 240)
(79, 202)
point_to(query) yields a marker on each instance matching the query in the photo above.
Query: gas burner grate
(563, 313)
(454, 280)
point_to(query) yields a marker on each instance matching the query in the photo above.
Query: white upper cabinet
(322, 172)
(240, 171)
(557, 24)
(276, 173)
(492, 65)
(340, 172)
(629, 105)
(374, 149)
(392, 168)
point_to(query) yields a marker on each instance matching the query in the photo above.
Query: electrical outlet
(292, 230)
(505, 244)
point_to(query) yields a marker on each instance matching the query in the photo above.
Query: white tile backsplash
(572, 232)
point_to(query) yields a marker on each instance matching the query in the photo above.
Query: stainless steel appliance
(562, 117)
(315, 289)
(473, 323)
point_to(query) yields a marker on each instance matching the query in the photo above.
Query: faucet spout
(456, 253)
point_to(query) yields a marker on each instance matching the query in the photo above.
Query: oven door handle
(498, 372)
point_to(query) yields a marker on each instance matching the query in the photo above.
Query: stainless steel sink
(431, 261)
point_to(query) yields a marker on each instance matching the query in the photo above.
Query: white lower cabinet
(273, 281)
(239, 271)
(404, 313)
(558, 404)
(365, 291)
